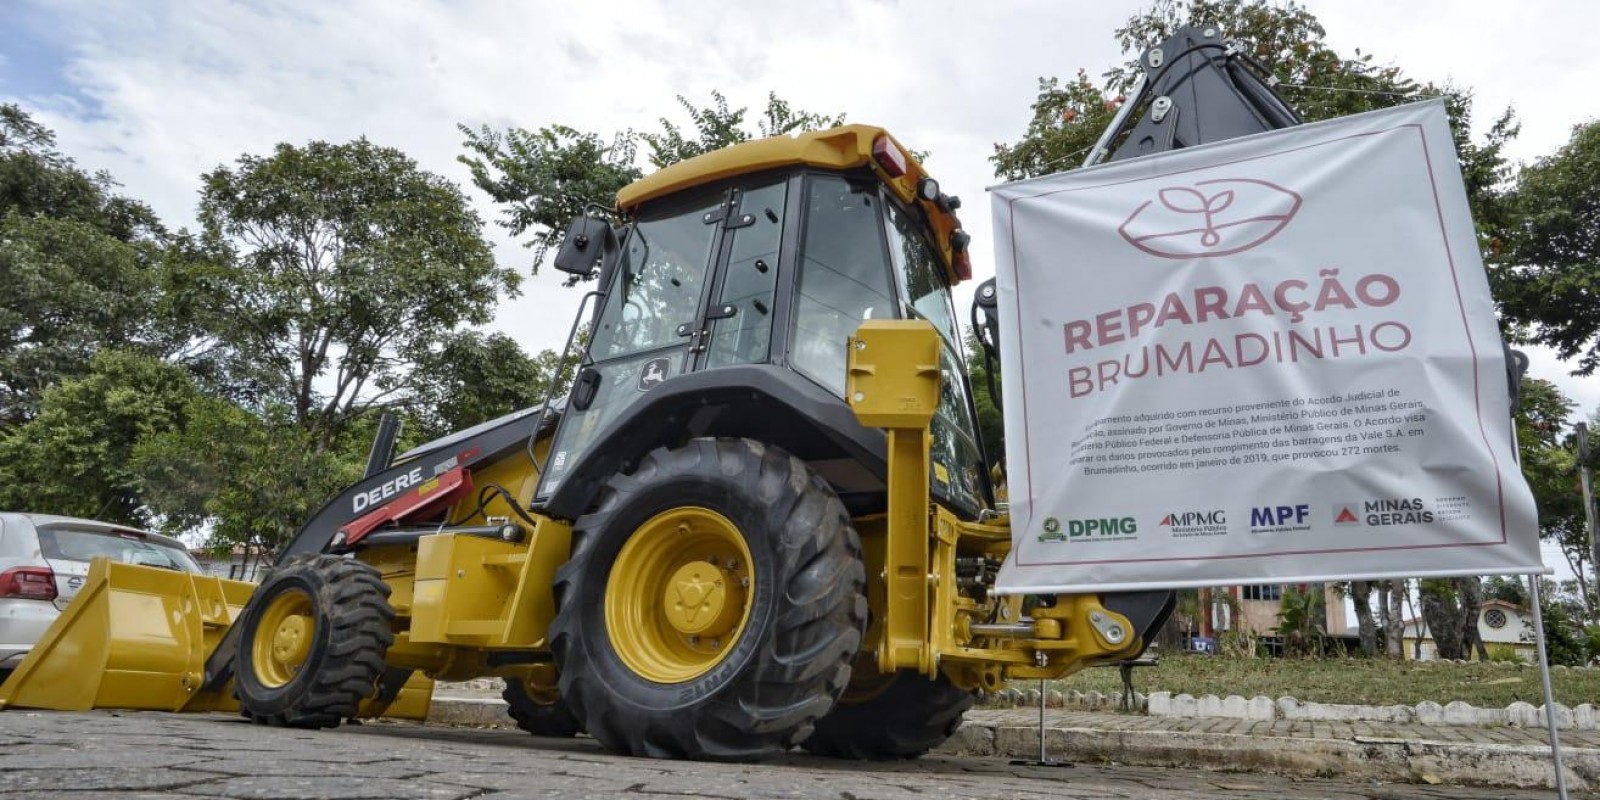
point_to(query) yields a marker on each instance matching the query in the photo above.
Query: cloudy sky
(159, 92)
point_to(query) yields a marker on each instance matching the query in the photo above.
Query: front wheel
(539, 713)
(711, 606)
(312, 642)
(885, 717)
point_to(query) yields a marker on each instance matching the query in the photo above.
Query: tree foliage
(83, 268)
(471, 378)
(1300, 621)
(1549, 280)
(1289, 42)
(542, 179)
(255, 478)
(74, 456)
(346, 262)
(717, 126)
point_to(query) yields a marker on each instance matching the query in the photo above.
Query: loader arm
(1195, 88)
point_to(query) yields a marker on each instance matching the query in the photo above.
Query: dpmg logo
(1210, 218)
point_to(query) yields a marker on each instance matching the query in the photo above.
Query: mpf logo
(1210, 218)
(1280, 519)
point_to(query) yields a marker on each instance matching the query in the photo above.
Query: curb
(1359, 758)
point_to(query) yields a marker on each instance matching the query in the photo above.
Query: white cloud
(168, 90)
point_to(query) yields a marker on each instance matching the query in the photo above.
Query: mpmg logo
(1210, 218)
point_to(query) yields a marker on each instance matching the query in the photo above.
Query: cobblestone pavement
(146, 756)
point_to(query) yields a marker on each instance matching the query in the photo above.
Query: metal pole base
(1042, 760)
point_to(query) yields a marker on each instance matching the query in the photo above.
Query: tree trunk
(1361, 596)
(1470, 590)
(1396, 625)
(1442, 611)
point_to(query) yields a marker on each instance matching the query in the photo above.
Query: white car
(43, 561)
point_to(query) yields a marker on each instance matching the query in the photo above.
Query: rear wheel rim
(679, 595)
(283, 638)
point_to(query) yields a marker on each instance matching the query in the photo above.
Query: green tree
(1300, 621)
(83, 269)
(471, 378)
(1549, 278)
(991, 424)
(542, 179)
(1508, 589)
(253, 477)
(74, 456)
(1549, 463)
(345, 263)
(1286, 39)
(716, 126)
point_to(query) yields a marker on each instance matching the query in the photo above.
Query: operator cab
(728, 294)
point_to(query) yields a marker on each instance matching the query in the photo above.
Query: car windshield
(75, 544)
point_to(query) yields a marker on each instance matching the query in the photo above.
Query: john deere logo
(1210, 218)
(1052, 531)
(654, 373)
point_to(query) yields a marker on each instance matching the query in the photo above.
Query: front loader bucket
(134, 637)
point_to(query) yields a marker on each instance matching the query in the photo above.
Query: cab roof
(842, 148)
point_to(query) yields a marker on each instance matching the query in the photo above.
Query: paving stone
(234, 761)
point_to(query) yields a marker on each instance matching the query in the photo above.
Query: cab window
(661, 274)
(844, 277)
(920, 271)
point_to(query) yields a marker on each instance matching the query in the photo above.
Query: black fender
(760, 401)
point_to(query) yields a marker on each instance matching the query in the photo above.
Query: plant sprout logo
(1211, 218)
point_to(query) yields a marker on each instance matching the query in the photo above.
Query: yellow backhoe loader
(761, 517)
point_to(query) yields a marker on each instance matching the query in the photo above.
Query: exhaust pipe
(382, 454)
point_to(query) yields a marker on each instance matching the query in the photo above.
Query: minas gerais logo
(1210, 218)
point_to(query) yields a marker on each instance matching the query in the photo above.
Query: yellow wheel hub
(679, 594)
(283, 638)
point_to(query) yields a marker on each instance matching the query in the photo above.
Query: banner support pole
(1549, 693)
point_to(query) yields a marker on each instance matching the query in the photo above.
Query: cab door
(693, 289)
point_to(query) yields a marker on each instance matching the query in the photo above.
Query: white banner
(1267, 360)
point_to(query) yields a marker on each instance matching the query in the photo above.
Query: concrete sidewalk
(1390, 752)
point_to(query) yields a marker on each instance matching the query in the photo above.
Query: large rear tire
(886, 717)
(538, 714)
(312, 642)
(712, 604)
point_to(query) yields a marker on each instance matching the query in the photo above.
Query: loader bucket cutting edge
(135, 638)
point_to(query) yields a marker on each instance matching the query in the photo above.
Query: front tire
(539, 714)
(313, 642)
(887, 717)
(712, 604)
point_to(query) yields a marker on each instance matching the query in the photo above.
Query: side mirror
(581, 247)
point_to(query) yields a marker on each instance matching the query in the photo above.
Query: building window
(1265, 591)
(1494, 618)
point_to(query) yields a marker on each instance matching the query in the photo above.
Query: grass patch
(1356, 681)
